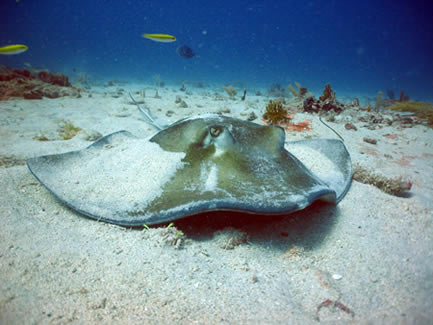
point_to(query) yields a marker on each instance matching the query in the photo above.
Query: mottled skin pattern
(228, 164)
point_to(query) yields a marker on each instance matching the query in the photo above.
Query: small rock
(406, 120)
(337, 276)
(122, 113)
(370, 140)
(183, 104)
(83, 291)
(330, 118)
(251, 116)
(224, 110)
(350, 126)
(169, 113)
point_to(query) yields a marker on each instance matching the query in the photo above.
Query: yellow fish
(164, 38)
(13, 49)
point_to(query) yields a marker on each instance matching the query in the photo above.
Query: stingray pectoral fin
(328, 160)
(110, 177)
(272, 139)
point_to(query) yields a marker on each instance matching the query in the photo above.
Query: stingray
(195, 165)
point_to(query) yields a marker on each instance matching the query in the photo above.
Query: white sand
(372, 253)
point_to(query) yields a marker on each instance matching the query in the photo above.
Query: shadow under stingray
(308, 227)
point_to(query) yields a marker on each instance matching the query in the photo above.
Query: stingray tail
(150, 119)
(320, 119)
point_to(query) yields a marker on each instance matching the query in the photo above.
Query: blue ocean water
(360, 47)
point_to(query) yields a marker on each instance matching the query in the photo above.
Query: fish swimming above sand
(185, 52)
(162, 38)
(13, 49)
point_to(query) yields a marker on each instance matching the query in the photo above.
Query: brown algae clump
(275, 113)
(67, 131)
(41, 137)
(393, 186)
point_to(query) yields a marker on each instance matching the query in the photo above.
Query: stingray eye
(215, 130)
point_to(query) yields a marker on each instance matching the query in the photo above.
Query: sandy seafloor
(372, 253)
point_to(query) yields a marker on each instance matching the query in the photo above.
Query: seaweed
(378, 101)
(10, 161)
(68, 130)
(302, 91)
(276, 113)
(230, 91)
(420, 109)
(157, 80)
(336, 305)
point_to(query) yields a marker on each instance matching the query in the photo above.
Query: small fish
(13, 49)
(185, 52)
(163, 38)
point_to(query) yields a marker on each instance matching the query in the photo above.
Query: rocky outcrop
(24, 84)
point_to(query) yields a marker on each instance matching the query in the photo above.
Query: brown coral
(327, 102)
(276, 114)
(54, 79)
(22, 83)
(328, 93)
(312, 105)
